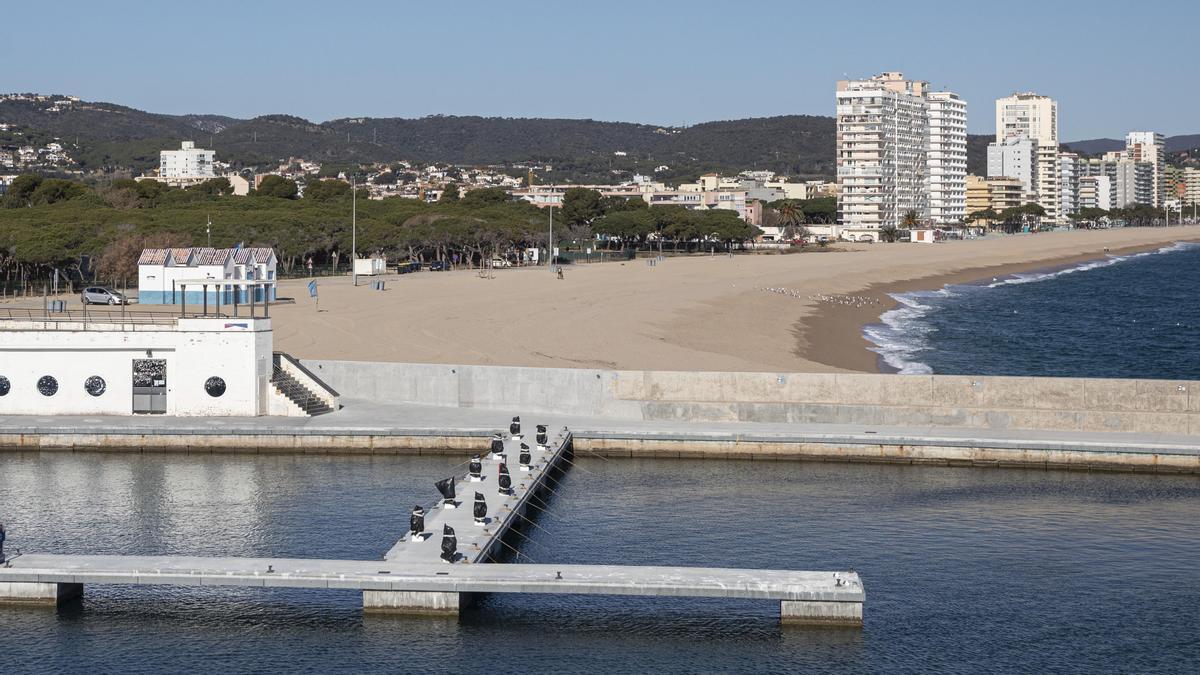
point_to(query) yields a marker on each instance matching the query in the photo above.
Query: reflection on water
(964, 569)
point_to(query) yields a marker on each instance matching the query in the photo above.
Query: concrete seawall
(1048, 404)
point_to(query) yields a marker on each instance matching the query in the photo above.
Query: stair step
(301, 396)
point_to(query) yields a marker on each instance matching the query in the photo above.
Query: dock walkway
(413, 577)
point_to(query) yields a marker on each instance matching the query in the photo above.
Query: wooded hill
(110, 136)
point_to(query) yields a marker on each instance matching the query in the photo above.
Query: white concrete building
(107, 364)
(186, 165)
(1015, 158)
(1150, 147)
(1030, 115)
(882, 153)
(201, 366)
(947, 158)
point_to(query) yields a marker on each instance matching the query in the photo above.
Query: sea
(965, 570)
(1120, 316)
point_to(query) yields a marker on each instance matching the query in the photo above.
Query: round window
(4, 386)
(215, 386)
(94, 385)
(47, 386)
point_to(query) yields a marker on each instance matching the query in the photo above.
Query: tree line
(49, 223)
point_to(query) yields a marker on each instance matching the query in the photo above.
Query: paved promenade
(364, 426)
(364, 418)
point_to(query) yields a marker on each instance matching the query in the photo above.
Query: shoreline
(836, 334)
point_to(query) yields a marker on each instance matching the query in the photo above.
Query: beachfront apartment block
(1150, 147)
(187, 165)
(1033, 116)
(1095, 192)
(947, 158)
(1016, 158)
(887, 153)
(1183, 184)
(1129, 182)
(1068, 182)
(994, 194)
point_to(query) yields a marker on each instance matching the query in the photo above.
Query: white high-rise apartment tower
(1029, 115)
(886, 156)
(947, 158)
(1149, 147)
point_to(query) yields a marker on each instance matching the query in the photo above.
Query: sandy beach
(701, 313)
(694, 313)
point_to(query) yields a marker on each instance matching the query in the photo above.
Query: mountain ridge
(111, 136)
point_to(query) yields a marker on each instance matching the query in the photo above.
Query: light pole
(353, 231)
(550, 248)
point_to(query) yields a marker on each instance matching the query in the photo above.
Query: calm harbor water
(1120, 316)
(965, 570)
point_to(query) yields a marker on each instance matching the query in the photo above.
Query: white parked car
(95, 295)
(501, 262)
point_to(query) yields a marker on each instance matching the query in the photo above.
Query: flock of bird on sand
(844, 300)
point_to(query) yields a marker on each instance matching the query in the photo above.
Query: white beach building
(215, 276)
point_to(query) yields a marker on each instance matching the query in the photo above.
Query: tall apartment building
(1149, 147)
(893, 137)
(1068, 183)
(947, 158)
(1032, 116)
(1191, 186)
(1095, 192)
(187, 164)
(1015, 158)
(1130, 182)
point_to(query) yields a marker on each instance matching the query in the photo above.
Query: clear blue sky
(1113, 66)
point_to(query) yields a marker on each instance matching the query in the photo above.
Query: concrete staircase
(295, 391)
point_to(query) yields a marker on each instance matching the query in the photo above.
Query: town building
(1015, 158)
(240, 185)
(995, 194)
(947, 158)
(186, 166)
(1032, 116)
(1131, 182)
(883, 141)
(1191, 184)
(1095, 192)
(1150, 147)
(1068, 183)
(712, 192)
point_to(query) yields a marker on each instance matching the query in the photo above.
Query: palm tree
(791, 216)
(911, 220)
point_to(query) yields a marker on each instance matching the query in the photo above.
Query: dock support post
(22, 593)
(416, 602)
(820, 613)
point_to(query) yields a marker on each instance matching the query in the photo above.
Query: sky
(1112, 66)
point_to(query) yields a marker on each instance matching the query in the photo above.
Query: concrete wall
(1068, 404)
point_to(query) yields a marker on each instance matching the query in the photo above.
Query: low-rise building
(169, 276)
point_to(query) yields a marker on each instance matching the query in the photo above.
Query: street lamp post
(353, 231)
(550, 248)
